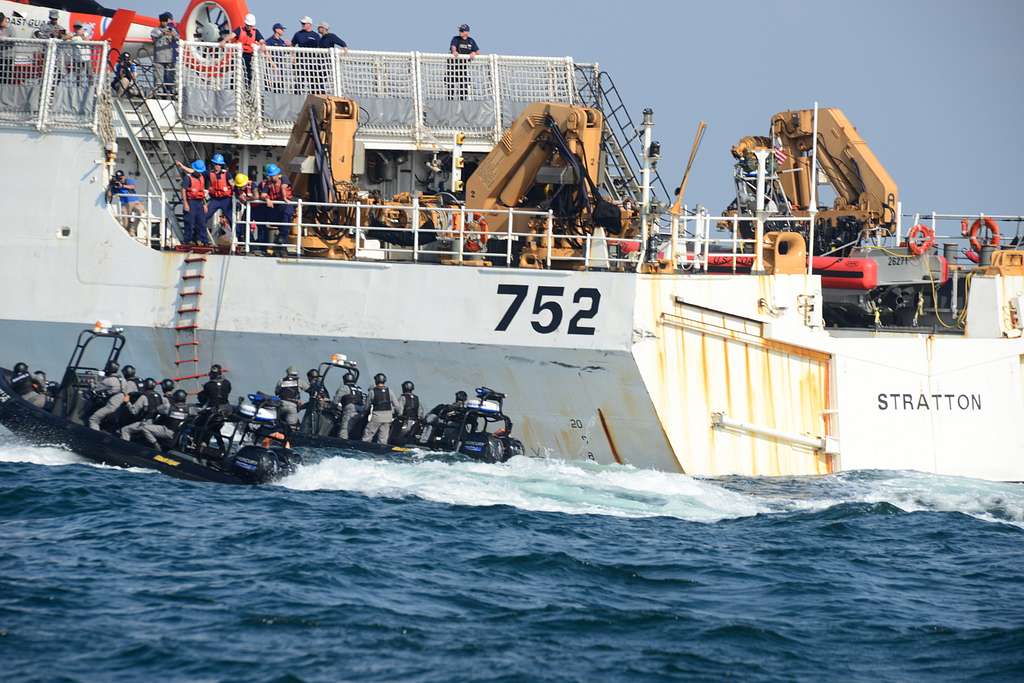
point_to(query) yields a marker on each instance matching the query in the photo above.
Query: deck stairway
(157, 145)
(622, 140)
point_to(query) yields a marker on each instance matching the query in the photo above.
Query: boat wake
(623, 491)
(582, 488)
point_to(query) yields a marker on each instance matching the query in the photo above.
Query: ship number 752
(547, 308)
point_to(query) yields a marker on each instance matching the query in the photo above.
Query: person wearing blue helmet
(276, 195)
(193, 202)
(220, 191)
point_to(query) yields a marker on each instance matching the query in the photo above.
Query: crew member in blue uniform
(306, 37)
(278, 39)
(193, 200)
(218, 183)
(463, 48)
(328, 39)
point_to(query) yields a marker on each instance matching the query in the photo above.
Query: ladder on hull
(186, 320)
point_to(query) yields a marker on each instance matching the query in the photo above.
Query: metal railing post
(45, 91)
(496, 86)
(550, 234)
(359, 229)
(508, 240)
(248, 226)
(417, 126)
(462, 231)
(416, 227)
(298, 230)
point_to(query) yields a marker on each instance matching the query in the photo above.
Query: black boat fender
(257, 465)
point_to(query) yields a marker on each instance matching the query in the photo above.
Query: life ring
(473, 240)
(993, 227)
(920, 239)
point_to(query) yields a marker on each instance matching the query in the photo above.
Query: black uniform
(215, 393)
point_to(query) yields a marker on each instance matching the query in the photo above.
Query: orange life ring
(920, 239)
(474, 240)
(993, 227)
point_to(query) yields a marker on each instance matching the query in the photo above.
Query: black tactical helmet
(408, 386)
(460, 396)
(111, 368)
(129, 372)
(179, 396)
(349, 379)
(215, 371)
(380, 378)
(166, 16)
(149, 384)
(20, 368)
(313, 374)
(167, 385)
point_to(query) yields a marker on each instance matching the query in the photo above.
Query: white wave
(533, 484)
(917, 491)
(38, 455)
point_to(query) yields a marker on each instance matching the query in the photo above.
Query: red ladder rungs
(191, 343)
(192, 277)
(190, 293)
(187, 377)
(194, 309)
(187, 360)
(195, 259)
(186, 327)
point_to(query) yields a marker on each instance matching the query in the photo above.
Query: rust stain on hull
(608, 435)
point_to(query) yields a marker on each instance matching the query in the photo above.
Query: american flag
(780, 153)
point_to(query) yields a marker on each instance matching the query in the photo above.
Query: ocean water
(441, 570)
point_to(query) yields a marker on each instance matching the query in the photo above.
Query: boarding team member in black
(22, 382)
(353, 402)
(168, 420)
(145, 408)
(131, 383)
(216, 393)
(382, 411)
(409, 411)
(289, 390)
(463, 48)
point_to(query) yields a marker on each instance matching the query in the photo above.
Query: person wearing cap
(218, 184)
(193, 202)
(78, 57)
(278, 39)
(328, 39)
(276, 195)
(249, 36)
(243, 192)
(306, 37)
(463, 48)
(165, 44)
(50, 29)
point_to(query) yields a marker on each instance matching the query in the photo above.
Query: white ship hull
(667, 354)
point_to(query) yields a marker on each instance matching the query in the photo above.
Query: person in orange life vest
(276, 193)
(219, 185)
(193, 199)
(244, 192)
(249, 36)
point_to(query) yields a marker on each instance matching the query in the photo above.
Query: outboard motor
(256, 465)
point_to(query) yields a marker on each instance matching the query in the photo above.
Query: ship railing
(696, 250)
(950, 233)
(143, 216)
(418, 96)
(51, 84)
(524, 232)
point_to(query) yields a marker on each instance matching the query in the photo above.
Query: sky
(934, 86)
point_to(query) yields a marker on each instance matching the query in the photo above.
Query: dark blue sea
(434, 570)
